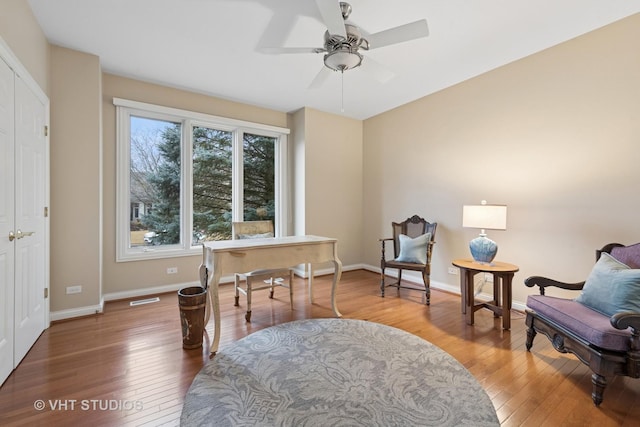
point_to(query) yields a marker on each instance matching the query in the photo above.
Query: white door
(23, 237)
(30, 198)
(6, 220)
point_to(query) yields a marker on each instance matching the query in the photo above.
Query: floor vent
(144, 301)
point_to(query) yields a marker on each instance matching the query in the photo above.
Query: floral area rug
(335, 372)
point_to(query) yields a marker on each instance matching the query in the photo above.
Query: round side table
(502, 277)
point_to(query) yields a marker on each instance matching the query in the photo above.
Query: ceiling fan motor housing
(342, 54)
(343, 40)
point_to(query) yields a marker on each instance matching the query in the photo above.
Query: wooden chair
(267, 279)
(608, 345)
(412, 228)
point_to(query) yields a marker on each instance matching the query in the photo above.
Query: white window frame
(125, 109)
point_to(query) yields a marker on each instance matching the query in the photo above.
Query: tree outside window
(185, 174)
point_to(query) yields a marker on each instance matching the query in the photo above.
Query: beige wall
(21, 32)
(76, 179)
(328, 180)
(298, 154)
(333, 206)
(555, 136)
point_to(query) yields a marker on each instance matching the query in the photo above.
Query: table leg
(463, 290)
(336, 279)
(506, 301)
(310, 282)
(213, 302)
(496, 292)
(470, 301)
(202, 272)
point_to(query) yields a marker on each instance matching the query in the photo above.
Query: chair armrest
(625, 320)
(631, 320)
(430, 251)
(544, 282)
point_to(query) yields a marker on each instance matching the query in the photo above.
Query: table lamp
(483, 216)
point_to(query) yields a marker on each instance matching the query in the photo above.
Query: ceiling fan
(344, 40)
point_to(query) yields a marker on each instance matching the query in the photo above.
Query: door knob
(11, 236)
(20, 234)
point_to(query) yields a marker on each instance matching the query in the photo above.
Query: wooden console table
(239, 256)
(502, 274)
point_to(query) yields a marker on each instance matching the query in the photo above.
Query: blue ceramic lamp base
(483, 249)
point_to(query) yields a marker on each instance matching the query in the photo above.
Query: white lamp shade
(489, 217)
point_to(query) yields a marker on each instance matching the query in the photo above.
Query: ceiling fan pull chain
(342, 90)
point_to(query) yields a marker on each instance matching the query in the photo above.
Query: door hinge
(46, 211)
(46, 130)
(46, 293)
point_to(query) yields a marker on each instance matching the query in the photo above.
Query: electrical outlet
(488, 277)
(453, 270)
(172, 270)
(74, 289)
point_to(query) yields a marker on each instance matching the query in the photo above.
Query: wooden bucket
(192, 301)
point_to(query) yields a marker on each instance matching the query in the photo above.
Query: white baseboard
(76, 312)
(409, 276)
(134, 293)
(302, 271)
(143, 292)
(112, 296)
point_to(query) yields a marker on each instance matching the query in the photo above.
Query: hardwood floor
(127, 366)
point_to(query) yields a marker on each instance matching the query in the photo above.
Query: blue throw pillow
(413, 250)
(612, 287)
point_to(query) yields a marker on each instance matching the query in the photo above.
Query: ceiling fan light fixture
(344, 40)
(342, 59)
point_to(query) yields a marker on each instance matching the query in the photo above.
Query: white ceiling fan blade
(403, 33)
(278, 29)
(320, 78)
(285, 50)
(332, 17)
(378, 71)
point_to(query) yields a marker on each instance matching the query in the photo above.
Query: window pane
(154, 182)
(212, 183)
(259, 177)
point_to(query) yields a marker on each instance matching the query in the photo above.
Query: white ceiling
(211, 46)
